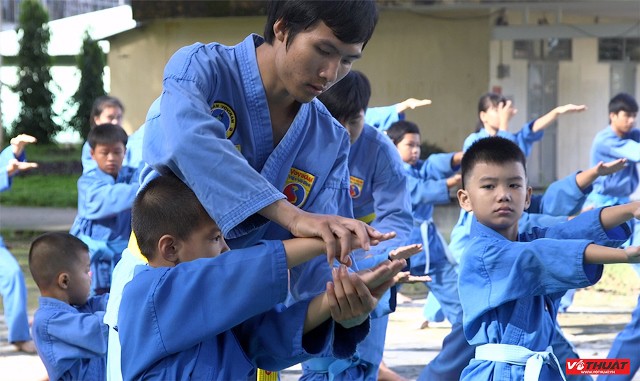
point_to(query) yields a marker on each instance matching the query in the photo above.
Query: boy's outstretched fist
(633, 252)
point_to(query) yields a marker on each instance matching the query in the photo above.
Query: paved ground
(40, 219)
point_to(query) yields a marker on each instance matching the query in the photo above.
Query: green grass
(52, 153)
(53, 183)
(18, 243)
(42, 190)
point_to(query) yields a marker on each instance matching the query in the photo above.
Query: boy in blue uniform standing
(105, 196)
(12, 285)
(621, 139)
(511, 283)
(379, 195)
(187, 252)
(67, 327)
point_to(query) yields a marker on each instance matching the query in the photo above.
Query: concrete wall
(408, 56)
(583, 80)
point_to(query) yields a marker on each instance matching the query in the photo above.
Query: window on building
(619, 49)
(549, 49)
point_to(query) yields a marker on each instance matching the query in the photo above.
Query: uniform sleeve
(100, 198)
(392, 200)
(77, 335)
(5, 180)
(256, 277)
(95, 304)
(382, 117)
(624, 148)
(529, 221)
(526, 137)
(185, 139)
(430, 186)
(562, 198)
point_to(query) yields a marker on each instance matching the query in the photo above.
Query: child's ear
(464, 200)
(279, 30)
(63, 280)
(527, 201)
(168, 247)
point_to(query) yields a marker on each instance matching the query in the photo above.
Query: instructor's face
(314, 61)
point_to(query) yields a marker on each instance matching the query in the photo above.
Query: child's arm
(411, 103)
(613, 216)
(585, 178)
(548, 118)
(597, 254)
(351, 297)
(300, 250)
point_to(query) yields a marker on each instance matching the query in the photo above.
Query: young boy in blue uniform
(239, 124)
(105, 196)
(621, 139)
(67, 327)
(233, 327)
(511, 283)
(12, 285)
(380, 198)
(105, 110)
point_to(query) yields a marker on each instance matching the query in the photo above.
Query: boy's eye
(323, 52)
(516, 186)
(487, 186)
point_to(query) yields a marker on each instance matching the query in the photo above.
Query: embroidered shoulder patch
(355, 186)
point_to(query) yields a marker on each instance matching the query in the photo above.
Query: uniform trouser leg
(626, 346)
(14, 294)
(432, 311)
(452, 359)
(564, 350)
(456, 351)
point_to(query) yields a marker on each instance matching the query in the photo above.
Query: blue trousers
(627, 346)
(14, 296)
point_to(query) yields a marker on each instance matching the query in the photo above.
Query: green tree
(91, 62)
(34, 63)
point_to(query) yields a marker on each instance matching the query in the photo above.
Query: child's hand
(411, 103)
(506, 111)
(604, 169)
(633, 252)
(570, 108)
(16, 166)
(404, 252)
(406, 277)
(350, 301)
(19, 142)
(454, 181)
(636, 214)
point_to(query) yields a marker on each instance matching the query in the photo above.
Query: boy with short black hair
(105, 196)
(234, 326)
(68, 330)
(511, 283)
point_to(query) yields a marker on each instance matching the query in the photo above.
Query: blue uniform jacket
(382, 117)
(214, 132)
(608, 146)
(225, 332)
(510, 290)
(72, 341)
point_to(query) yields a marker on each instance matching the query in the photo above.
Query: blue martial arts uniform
(103, 221)
(380, 198)
(226, 332)
(523, 138)
(213, 110)
(382, 117)
(613, 190)
(510, 290)
(72, 340)
(12, 285)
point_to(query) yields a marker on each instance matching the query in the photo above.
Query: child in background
(12, 285)
(511, 283)
(494, 113)
(105, 196)
(233, 327)
(105, 110)
(67, 327)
